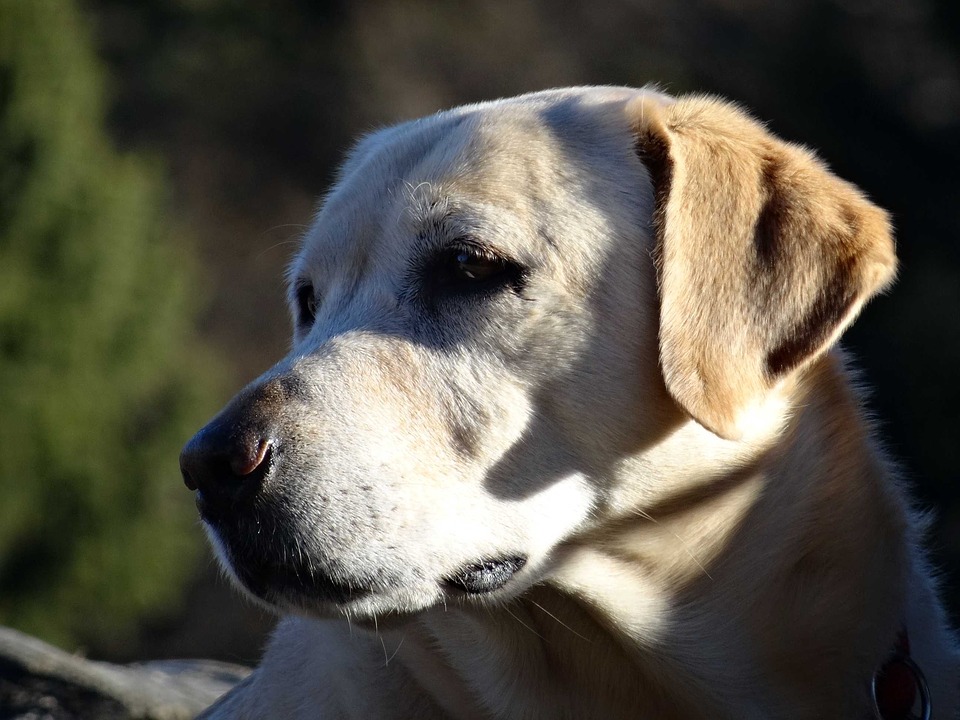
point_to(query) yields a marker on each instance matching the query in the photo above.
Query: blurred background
(160, 158)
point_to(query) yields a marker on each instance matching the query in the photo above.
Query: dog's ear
(763, 255)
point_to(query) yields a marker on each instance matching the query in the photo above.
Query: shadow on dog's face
(472, 355)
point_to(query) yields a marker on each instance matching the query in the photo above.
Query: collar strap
(898, 683)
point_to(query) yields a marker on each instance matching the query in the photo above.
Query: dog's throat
(487, 575)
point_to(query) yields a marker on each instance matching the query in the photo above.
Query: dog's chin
(288, 583)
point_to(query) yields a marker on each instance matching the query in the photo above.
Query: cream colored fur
(658, 421)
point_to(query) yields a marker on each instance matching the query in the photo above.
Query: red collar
(898, 683)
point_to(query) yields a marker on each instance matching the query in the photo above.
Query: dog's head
(502, 316)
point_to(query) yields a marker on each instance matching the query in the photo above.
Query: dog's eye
(466, 270)
(472, 267)
(306, 304)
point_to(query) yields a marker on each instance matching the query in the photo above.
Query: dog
(565, 432)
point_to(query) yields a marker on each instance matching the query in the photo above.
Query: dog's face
(487, 361)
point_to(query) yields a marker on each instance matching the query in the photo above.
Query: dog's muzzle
(236, 465)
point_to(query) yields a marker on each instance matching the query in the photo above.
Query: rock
(41, 682)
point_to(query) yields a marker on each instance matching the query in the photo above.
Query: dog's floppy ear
(763, 255)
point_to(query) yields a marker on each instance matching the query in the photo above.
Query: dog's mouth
(272, 582)
(264, 551)
(486, 575)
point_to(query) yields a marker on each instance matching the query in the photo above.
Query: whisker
(396, 650)
(386, 660)
(281, 226)
(507, 609)
(288, 241)
(561, 622)
(683, 543)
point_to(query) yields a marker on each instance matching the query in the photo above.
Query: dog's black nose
(225, 463)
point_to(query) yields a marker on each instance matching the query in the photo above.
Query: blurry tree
(100, 378)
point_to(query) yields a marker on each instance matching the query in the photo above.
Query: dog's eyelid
(473, 244)
(481, 248)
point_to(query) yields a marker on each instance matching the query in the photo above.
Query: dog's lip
(279, 582)
(486, 575)
(206, 509)
(277, 576)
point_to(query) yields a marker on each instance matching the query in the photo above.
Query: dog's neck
(671, 609)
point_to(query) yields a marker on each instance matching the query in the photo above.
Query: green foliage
(100, 378)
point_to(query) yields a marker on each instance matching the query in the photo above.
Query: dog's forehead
(399, 181)
(508, 155)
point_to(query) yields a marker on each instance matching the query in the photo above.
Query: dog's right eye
(470, 269)
(306, 304)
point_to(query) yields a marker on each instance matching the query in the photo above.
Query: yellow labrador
(563, 433)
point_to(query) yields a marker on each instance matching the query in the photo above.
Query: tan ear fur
(764, 256)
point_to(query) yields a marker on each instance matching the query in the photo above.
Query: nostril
(248, 468)
(249, 458)
(226, 465)
(187, 480)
